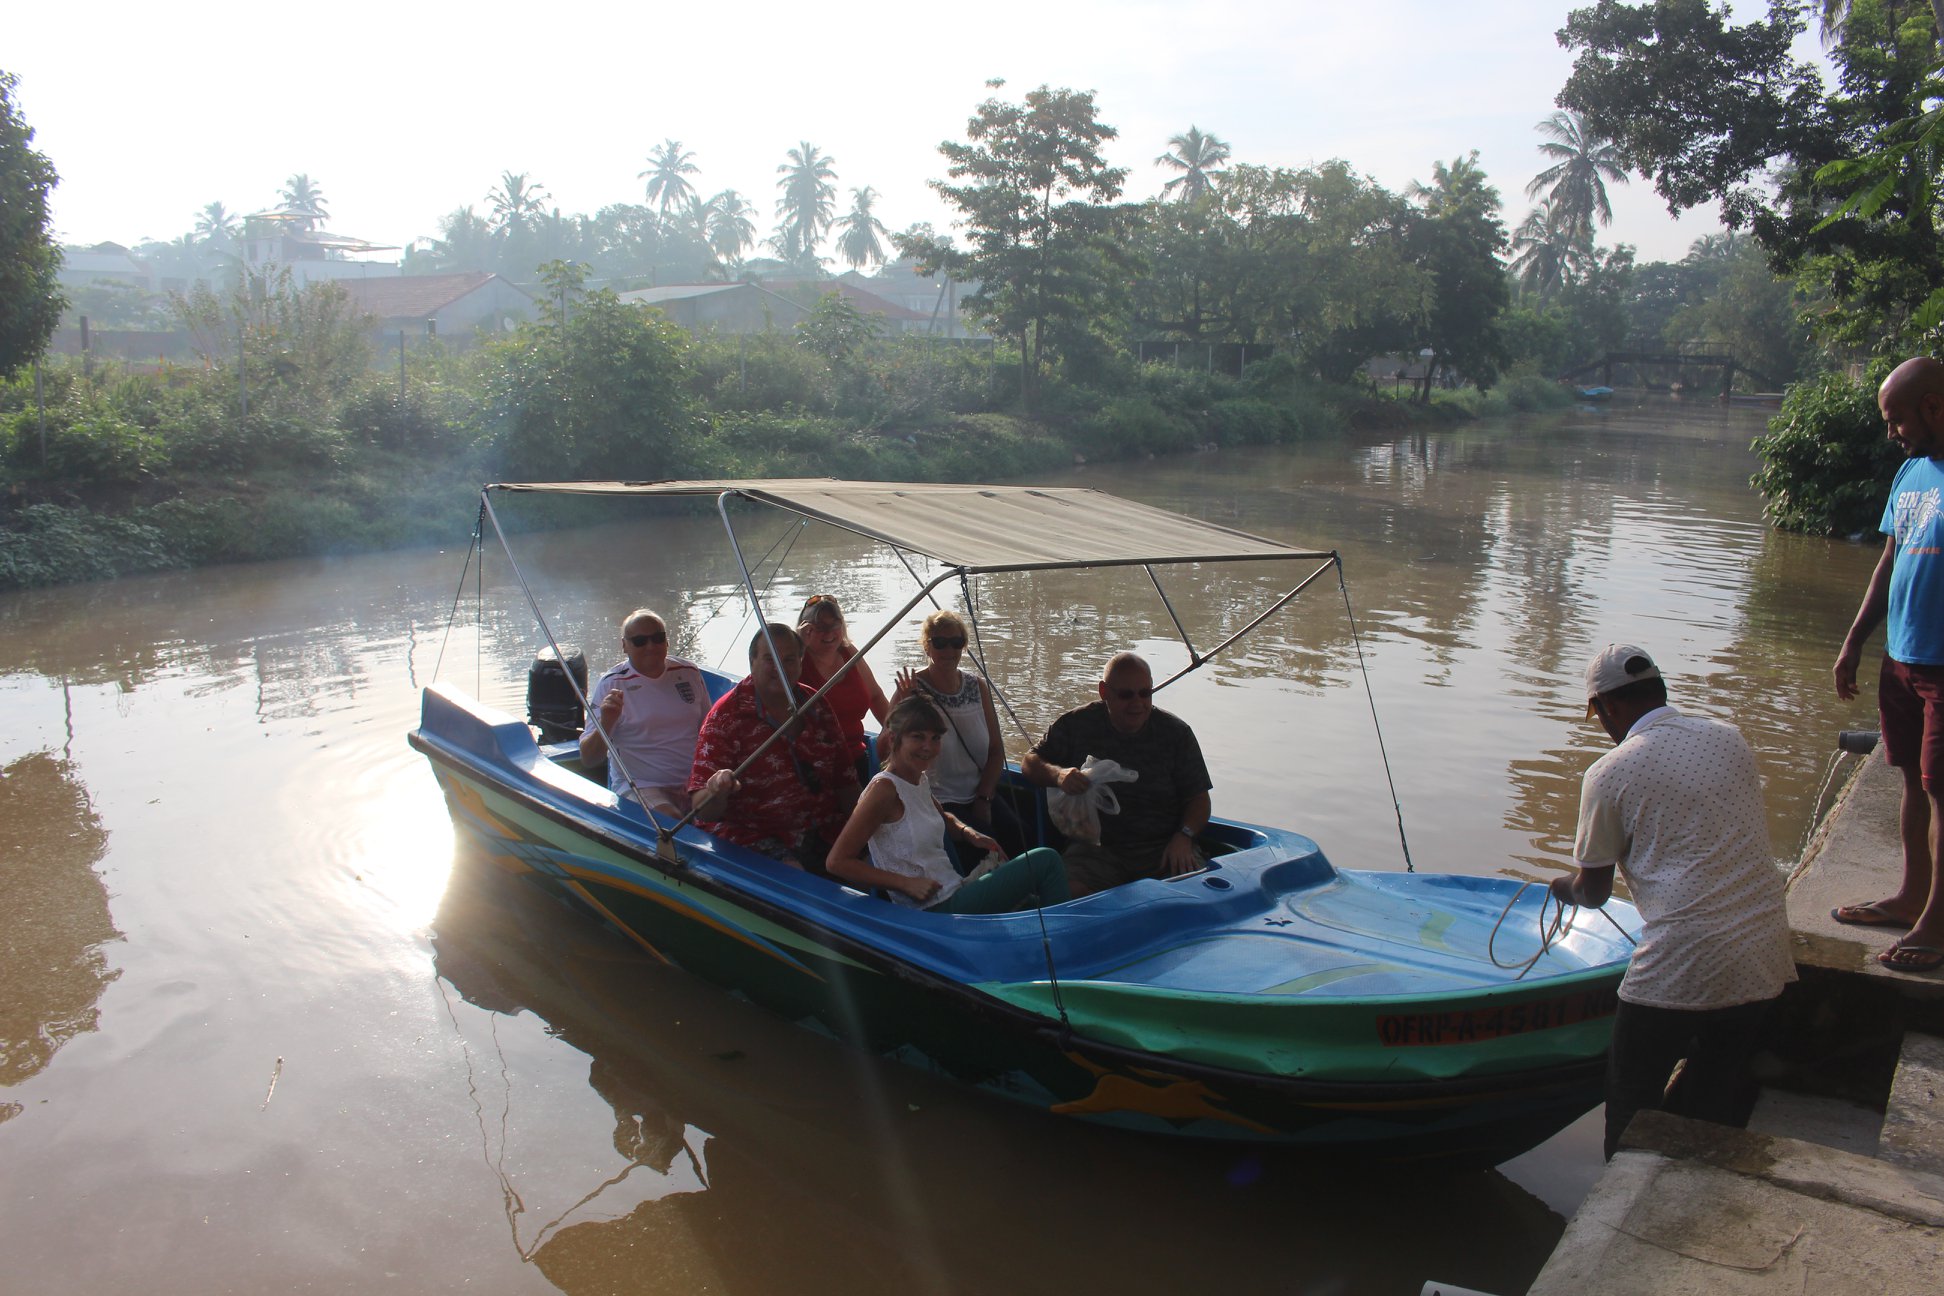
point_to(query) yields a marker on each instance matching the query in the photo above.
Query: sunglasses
(643, 640)
(815, 599)
(948, 643)
(1128, 695)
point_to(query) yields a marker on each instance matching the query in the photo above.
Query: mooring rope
(452, 617)
(1560, 927)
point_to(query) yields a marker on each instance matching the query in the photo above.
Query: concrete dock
(1838, 1184)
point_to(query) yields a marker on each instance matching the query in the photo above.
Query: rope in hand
(1560, 927)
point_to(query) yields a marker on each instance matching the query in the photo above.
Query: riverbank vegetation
(1247, 303)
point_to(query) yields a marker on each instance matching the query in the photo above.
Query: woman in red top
(827, 646)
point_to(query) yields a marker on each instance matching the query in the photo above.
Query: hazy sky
(402, 112)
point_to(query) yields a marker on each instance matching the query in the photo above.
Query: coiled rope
(1560, 927)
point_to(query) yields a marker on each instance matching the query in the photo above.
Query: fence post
(87, 350)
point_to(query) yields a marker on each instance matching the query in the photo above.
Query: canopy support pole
(1198, 662)
(1195, 659)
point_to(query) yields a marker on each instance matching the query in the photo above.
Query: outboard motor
(552, 706)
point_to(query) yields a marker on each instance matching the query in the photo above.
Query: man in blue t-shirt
(1907, 593)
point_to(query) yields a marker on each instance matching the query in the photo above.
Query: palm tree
(304, 198)
(803, 212)
(1836, 15)
(861, 236)
(1547, 255)
(1576, 181)
(731, 225)
(516, 204)
(217, 227)
(1199, 158)
(667, 175)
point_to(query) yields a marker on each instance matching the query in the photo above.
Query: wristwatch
(1186, 831)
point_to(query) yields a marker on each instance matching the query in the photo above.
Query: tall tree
(1838, 184)
(730, 225)
(1198, 158)
(1548, 253)
(861, 235)
(804, 210)
(303, 197)
(1575, 183)
(1033, 192)
(217, 227)
(30, 261)
(669, 168)
(517, 204)
(1458, 243)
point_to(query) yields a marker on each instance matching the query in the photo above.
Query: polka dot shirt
(1678, 806)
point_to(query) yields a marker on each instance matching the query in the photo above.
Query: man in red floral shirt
(793, 801)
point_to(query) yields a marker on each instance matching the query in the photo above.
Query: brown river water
(261, 1030)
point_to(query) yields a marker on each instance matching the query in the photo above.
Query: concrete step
(1688, 1207)
(1913, 1119)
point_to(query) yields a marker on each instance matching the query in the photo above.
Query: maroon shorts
(1910, 708)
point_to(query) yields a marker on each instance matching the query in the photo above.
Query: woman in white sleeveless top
(899, 819)
(973, 757)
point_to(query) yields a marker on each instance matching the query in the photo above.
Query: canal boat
(1269, 997)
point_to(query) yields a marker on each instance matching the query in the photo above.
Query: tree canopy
(30, 295)
(1034, 192)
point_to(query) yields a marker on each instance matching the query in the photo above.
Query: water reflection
(52, 965)
(731, 1152)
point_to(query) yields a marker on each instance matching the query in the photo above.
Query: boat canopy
(980, 528)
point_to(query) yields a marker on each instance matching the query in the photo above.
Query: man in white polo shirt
(1677, 807)
(651, 706)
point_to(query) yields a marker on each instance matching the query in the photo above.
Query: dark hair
(1647, 693)
(784, 634)
(913, 715)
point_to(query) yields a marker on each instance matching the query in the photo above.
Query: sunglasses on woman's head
(948, 643)
(643, 640)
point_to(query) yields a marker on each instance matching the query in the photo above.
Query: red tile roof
(413, 296)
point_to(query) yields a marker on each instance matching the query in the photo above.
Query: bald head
(1912, 401)
(1916, 377)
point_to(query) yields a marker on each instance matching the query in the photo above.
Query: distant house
(892, 317)
(453, 307)
(286, 240)
(104, 263)
(722, 308)
(934, 299)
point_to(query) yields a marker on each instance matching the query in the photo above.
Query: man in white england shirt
(650, 706)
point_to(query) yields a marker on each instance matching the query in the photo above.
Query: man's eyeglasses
(1128, 695)
(643, 640)
(948, 643)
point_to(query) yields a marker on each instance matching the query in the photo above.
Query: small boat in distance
(1596, 393)
(1269, 997)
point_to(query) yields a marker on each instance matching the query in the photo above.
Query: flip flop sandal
(1912, 958)
(1867, 915)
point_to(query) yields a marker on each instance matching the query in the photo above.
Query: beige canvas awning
(981, 528)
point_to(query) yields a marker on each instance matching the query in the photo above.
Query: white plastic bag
(1079, 816)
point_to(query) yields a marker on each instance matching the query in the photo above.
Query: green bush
(1826, 462)
(1246, 421)
(1128, 426)
(46, 544)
